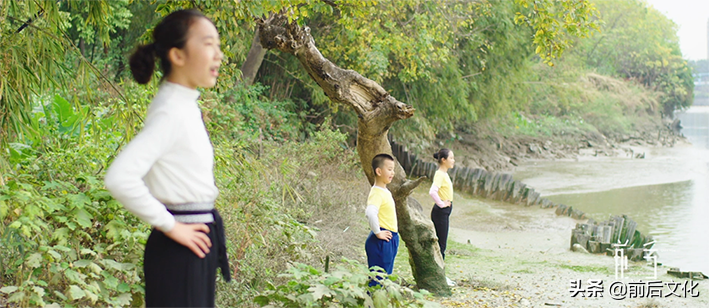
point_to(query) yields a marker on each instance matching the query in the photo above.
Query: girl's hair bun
(441, 154)
(142, 63)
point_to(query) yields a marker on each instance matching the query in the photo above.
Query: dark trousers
(441, 221)
(381, 253)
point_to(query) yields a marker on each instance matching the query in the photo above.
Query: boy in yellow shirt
(383, 241)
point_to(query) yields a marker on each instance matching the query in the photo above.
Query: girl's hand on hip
(447, 203)
(192, 236)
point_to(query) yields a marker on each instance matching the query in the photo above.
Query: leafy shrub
(69, 243)
(64, 240)
(243, 113)
(346, 286)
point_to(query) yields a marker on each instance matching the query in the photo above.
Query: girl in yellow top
(442, 193)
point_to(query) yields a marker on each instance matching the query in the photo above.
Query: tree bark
(253, 60)
(377, 111)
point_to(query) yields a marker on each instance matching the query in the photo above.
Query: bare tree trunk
(253, 60)
(82, 47)
(377, 111)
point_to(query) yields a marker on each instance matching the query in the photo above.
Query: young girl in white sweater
(165, 174)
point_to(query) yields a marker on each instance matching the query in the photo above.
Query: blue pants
(381, 253)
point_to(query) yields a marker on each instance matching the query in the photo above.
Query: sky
(691, 16)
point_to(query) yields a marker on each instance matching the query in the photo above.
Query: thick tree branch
(348, 87)
(409, 185)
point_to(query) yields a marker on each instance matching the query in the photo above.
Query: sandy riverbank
(505, 255)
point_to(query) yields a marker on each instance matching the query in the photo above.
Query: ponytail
(142, 63)
(441, 154)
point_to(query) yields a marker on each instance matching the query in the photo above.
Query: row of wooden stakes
(615, 236)
(617, 232)
(479, 182)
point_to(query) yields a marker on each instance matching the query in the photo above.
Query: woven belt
(205, 213)
(191, 213)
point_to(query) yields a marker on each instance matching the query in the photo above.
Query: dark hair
(378, 161)
(441, 154)
(170, 32)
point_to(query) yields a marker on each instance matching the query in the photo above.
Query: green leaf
(331, 280)
(86, 251)
(318, 291)
(71, 225)
(101, 195)
(34, 260)
(124, 299)
(76, 293)
(63, 108)
(108, 263)
(79, 200)
(60, 295)
(114, 228)
(62, 248)
(16, 297)
(110, 281)
(126, 266)
(123, 287)
(75, 276)
(95, 268)
(83, 218)
(61, 235)
(8, 289)
(93, 297)
(82, 263)
(19, 151)
(38, 290)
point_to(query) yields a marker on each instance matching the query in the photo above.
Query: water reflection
(695, 125)
(666, 194)
(674, 214)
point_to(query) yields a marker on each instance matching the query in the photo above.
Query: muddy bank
(484, 145)
(505, 255)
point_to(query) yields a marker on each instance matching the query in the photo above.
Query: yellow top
(445, 185)
(381, 198)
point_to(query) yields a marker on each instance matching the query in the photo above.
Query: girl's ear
(176, 56)
(378, 172)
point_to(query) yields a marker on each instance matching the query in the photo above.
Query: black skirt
(176, 277)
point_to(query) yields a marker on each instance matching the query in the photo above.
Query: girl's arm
(124, 179)
(433, 192)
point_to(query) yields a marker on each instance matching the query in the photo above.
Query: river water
(667, 193)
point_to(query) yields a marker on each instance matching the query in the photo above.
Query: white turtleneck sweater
(170, 161)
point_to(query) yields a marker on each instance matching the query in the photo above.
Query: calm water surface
(667, 193)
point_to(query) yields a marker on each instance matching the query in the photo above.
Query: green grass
(587, 268)
(581, 105)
